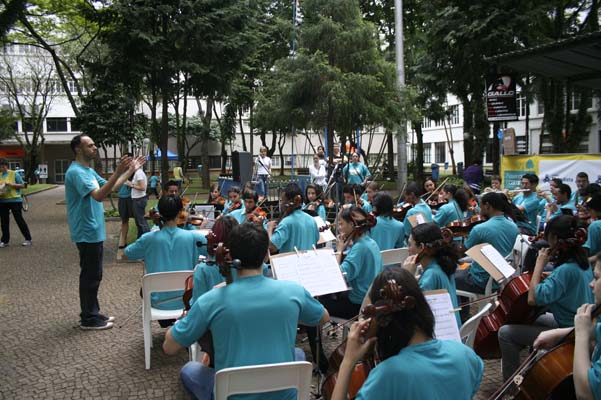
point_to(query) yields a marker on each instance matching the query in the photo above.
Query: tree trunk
(468, 122)
(281, 142)
(418, 174)
(204, 144)
(241, 124)
(390, 155)
(164, 132)
(496, 148)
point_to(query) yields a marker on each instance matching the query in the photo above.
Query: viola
(393, 300)
(257, 215)
(399, 213)
(218, 200)
(546, 376)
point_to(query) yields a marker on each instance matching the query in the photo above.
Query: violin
(399, 213)
(545, 373)
(393, 299)
(218, 200)
(463, 228)
(257, 215)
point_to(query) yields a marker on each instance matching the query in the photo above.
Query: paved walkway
(44, 354)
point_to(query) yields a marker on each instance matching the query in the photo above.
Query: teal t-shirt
(388, 233)
(594, 373)
(434, 278)
(297, 229)
(253, 322)
(169, 249)
(19, 181)
(568, 206)
(362, 264)
(593, 241)
(419, 208)
(433, 370)
(530, 204)
(566, 289)
(153, 181)
(228, 204)
(124, 192)
(499, 232)
(85, 215)
(355, 173)
(448, 213)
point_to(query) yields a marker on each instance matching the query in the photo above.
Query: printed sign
(501, 99)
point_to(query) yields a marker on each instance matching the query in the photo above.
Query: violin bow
(401, 194)
(436, 190)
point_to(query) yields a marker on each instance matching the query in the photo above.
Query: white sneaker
(26, 243)
(2, 244)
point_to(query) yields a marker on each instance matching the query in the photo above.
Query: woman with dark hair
(437, 257)
(454, 209)
(388, 232)
(562, 292)
(314, 201)
(215, 195)
(415, 365)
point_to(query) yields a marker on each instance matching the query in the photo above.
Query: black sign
(501, 99)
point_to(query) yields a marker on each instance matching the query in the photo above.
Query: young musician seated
(415, 365)
(371, 189)
(587, 368)
(562, 292)
(352, 197)
(249, 212)
(412, 196)
(253, 320)
(457, 203)
(234, 201)
(388, 232)
(296, 229)
(170, 249)
(498, 231)
(528, 202)
(437, 257)
(314, 201)
(562, 204)
(215, 195)
(593, 241)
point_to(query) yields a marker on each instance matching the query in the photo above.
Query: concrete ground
(44, 354)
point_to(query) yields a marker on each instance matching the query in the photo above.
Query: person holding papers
(438, 258)
(253, 320)
(414, 365)
(498, 231)
(562, 292)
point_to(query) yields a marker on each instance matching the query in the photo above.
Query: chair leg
(147, 340)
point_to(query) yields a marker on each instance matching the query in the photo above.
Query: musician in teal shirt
(528, 202)
(593, 241)
(355, 172)
(388, 232)
(454, 209)
(413, 194)
(562, 292)
(437, 257)
(424, 367)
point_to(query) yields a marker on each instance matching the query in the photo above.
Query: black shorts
(126, 208)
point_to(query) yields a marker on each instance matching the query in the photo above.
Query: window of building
(26, 125)
(427, 123)
(454, 114)
(427, 153)
(540, 107)
(440, 152)
(75, 125)
(521, 105)
(521, 144)
(56, 124)
(575, 99)
(214, 161)
(60, 168)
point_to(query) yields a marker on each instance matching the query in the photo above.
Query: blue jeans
(262, 184)
(90, 262)
(199, 380)
(139, 209)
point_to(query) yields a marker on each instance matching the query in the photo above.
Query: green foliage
(9, 13)
(7, 123)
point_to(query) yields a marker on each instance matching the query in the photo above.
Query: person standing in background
(11, 184)
(263, 168)
(473, 176)
(178, 176)
(139, 200)
(154, 182)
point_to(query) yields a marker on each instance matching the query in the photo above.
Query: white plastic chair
(264, 378)
(520, 248)
(468, 330)
(394, 256)
(153, 283)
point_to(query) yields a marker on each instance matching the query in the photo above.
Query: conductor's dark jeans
(90, 263)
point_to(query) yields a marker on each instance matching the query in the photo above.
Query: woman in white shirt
(263, 168)
(318, 172)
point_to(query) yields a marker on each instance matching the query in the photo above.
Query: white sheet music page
(316, 270)
(497, 260)
(445, 323)
(326, 235)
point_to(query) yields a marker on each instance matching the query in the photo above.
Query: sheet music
(420, 219)
(316, 270)
(326, 235)
(497, 260)
(445, 323)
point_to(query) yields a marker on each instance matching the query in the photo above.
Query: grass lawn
(30, 189)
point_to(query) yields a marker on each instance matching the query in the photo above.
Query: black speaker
(242, 166)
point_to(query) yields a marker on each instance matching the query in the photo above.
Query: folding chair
(468, 330)
(394, 256)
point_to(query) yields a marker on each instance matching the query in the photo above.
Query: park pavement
(44, 354)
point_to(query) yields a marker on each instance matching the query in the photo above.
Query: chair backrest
(163, 282)
(394, 256)
(468, 330)
(264, 378)
(520, 248)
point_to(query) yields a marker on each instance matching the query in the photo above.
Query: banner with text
(501, 98)
(547, 167)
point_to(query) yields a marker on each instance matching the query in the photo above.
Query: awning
(576, 60)
(157, 155)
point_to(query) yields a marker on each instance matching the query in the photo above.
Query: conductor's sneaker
(2, 244)
(97, 327)
(105, 318)
(26, 243)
